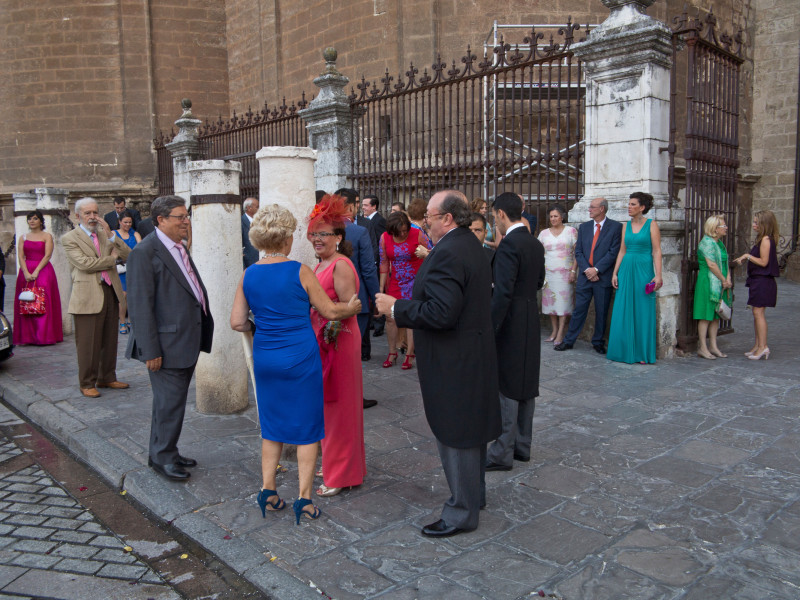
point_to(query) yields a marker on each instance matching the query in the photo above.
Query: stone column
(184, 148)
(287, 179)
(329, 120)
(627, 61)
(217, 251)
(54, 203)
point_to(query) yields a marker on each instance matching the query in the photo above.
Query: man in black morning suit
(518, 276)
(450, 313)
(171, 324)
(596, 252)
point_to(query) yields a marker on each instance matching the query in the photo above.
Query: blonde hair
(477, 203)
(711, 224)
(272, 225)
(767, 226)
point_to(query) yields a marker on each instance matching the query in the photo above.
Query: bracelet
(391, 312)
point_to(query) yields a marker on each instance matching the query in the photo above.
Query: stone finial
(640, 5)
(186, 105)
(330, 55)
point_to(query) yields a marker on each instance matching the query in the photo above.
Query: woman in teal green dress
(713, 285)
(633, 323)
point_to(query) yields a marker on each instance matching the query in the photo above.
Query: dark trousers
(517, 434)
(96, 342)
(170, 389)
(465, 470)
(583, 298)
(363, 327)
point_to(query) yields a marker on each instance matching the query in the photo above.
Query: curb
(151, 491)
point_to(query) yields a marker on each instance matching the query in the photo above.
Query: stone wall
(85, 86)
(775, 98)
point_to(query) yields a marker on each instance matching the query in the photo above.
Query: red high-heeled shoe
(407, 364)
(389, 361)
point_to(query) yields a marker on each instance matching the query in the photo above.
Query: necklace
(274, 254)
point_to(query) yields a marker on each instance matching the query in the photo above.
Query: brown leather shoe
(114, 385)
(90, 392)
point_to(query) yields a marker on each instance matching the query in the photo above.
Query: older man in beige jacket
(92, 250)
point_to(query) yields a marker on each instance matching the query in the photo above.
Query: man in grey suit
(249, 253)
(172, 324)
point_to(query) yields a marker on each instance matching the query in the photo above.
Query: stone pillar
(626, 62)
(184, 148)
(287, 179)
(54, 203)
(217, 251)
(329, 120)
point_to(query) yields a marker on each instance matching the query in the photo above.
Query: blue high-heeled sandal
(298, 507)
(263, 495)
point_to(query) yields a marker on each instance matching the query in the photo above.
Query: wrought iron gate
(709, 146)
(509, 121)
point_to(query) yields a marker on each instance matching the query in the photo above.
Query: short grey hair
(603, 204)
(163, 205)
(83, 202)
(248, 202)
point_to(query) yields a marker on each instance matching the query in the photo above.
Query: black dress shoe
(521, 458)
(377, 332)
(599, 349)
(492, 466)
(562, 346)
(173, 472)
(183, 461)
(365, 357)
(441, 529)
(369, 403)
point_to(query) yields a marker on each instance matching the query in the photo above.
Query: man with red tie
(596, 252)
(171, 325)
(92, 250)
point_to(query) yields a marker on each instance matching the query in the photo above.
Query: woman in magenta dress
(34, 254)
(399, 265)
(344, 462)
(762, 269)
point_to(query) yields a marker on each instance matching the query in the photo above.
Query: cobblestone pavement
(679, 480)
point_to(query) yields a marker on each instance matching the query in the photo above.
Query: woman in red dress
(400, 262)
(344, 461)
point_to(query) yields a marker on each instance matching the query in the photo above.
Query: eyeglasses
(320, 235)
(181, 217)
(724, 226)
(428, 216)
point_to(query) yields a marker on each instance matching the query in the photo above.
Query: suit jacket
(249, 253)
(86, 266)
(166, 318)
(450, 313)
(373, 236)
(364, 263)
(113, 220)
(146, 227)
(518, 276)
(605, 251)
(378, 223)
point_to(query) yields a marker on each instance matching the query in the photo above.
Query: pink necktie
(103, 274)
(198, 290)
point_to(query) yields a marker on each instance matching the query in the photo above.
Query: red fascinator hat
(330, 210)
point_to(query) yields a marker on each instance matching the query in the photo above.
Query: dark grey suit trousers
(465, 470)
(517, 434)
(170, 389)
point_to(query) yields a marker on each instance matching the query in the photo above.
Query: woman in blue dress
(128, 235)
(286, 359)
(637, 276)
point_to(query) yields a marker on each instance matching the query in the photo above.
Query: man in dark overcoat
(518, 276)
(450, 313)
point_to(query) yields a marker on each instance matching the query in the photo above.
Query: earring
(337, 246)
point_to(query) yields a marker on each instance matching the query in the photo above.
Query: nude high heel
(764, 353)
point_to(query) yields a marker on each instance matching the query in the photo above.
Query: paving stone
(122, 571)
(360, 582)
(9, 574)
(40, 546)
(559, 480)
(37, 533)
(430, 586)
(711, 454)
(75, 551)
(75, 537)
(673, 566)
(106, 541)
(59, 502)
(117, 556)
(79, 565)
(66, 513)
(556, 540)
(608, 581)
(37, 561)
(25, 508)
(70, 585)
(678, 470)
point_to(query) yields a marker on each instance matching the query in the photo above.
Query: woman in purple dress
(35, 270)
(762, 269)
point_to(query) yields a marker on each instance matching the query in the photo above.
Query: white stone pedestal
(54, 203)
(221, 376)
(287, 179)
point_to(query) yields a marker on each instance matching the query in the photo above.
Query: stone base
(792, 272)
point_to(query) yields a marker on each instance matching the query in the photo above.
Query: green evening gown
(632, 338)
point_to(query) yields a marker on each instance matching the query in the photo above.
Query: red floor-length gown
(344, 460)
(39, 330)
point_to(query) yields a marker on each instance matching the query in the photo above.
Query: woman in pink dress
(344, 462)
(34, 254)
(558, 294)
